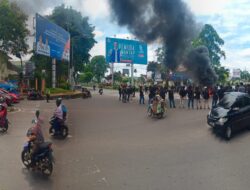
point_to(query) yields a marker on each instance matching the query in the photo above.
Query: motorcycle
(157, 109)
(63, 131)
(100, 91)
(4, 123)
(34, 95)
(43, 159)
(86, 93)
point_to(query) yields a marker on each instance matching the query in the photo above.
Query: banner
(52, 40)
(236, 73)
(126, 51)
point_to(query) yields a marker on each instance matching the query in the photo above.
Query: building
(7, 68)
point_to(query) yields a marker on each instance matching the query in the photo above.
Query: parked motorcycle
(63, 131)
(4, 123)
(157, 109)
(34, 95)
(43, 160)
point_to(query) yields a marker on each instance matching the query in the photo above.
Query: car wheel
(228, 133)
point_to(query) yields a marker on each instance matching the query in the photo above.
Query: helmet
(58, 101)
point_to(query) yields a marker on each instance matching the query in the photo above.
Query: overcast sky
(229, 17)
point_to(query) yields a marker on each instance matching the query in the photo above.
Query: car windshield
(227, 101)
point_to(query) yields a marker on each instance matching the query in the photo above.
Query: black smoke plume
(198, 59)
(171, 23)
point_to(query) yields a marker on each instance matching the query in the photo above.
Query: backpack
(64, 110)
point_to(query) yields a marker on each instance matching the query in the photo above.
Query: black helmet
(58, 101)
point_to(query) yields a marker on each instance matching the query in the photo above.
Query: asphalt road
(115, 146)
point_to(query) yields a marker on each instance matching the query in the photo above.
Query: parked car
(15, 98)
(231, 115)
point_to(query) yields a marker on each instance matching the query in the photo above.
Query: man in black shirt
(190, 93)
(141, 95)
(171, 97)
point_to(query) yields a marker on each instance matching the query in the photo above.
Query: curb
(63, 96)
(66, 96)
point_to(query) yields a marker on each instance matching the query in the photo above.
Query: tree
(210, 38)
(13, 29)
(117, 76)
(153, 66)
(86, 77)
(245, 76)
(160, 54)
(98, 66)
(223, 74)
(81, 33)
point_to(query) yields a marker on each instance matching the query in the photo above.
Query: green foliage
(58, 90)
(245, 76)
(99, 67)
(125, 79)
(86, 77)
(81, 33)
(210, 38)
(141, 80)
(42, 63)
(117, 77)
(153, 66)
(13, 30)
(223, 74)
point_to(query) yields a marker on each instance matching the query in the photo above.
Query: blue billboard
(52, 40)
(126, 51)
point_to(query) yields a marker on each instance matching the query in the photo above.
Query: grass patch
(59, 91)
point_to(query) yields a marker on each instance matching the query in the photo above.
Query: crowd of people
(189, 96)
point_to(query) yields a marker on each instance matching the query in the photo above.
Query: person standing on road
(221, 92)
(120, 92)
(171, 97)
(182, 94)
(190, 93)
(133, 91)
(141, 95)
(206, 98)
(47, 95)
(124, 94)
(215, 97)
(197, 96)
(152, 93)
(129, 92)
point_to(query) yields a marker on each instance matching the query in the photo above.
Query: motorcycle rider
(59, 114)
(35, 135)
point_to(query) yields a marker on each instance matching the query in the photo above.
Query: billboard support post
(53, 73)
(112, 72)
(132, 74)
